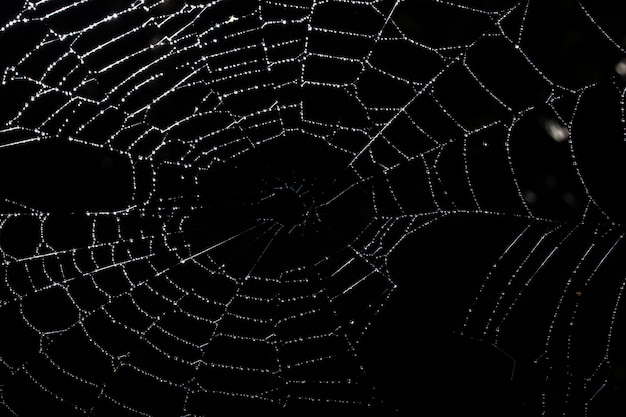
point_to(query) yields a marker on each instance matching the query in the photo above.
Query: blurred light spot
(620, 68)
(556, 131)
(530, 197)
(166, 4)
(569, 199)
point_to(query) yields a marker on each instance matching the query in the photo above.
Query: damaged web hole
(289, 206)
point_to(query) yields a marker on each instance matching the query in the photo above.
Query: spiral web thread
(101, 75)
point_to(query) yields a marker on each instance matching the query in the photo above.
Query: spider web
(225, 204)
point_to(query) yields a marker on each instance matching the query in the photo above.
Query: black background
(416, 352)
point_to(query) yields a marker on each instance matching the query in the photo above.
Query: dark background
(479, 173)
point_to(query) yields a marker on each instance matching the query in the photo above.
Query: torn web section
(535, 188)
(560, 262)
